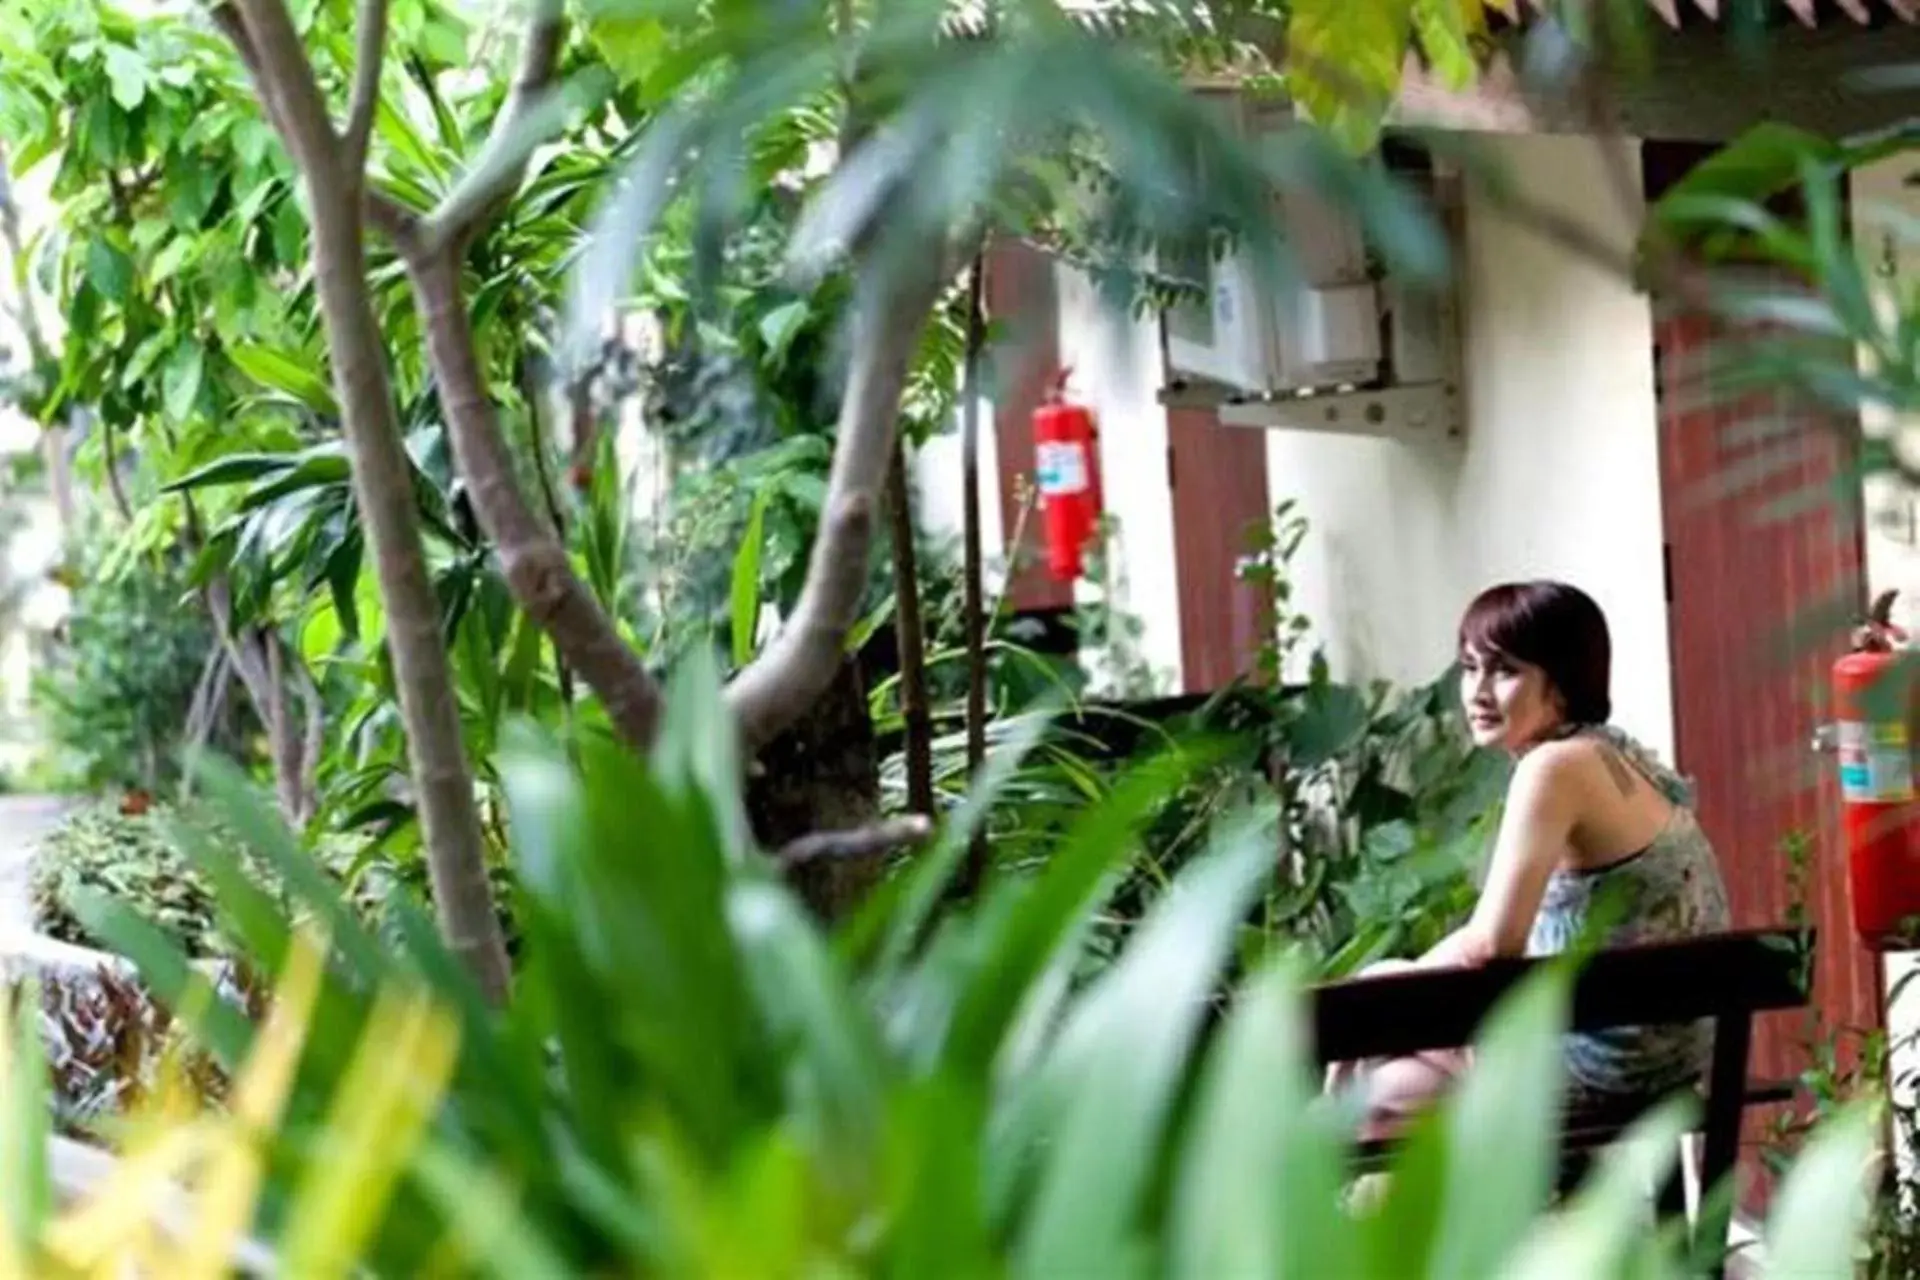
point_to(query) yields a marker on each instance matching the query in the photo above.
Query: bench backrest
(1740, 972)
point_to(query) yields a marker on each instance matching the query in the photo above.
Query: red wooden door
(1766, 568)
(1766, 555)
(1219, 480)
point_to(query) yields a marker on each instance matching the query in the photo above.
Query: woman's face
(1509, 703)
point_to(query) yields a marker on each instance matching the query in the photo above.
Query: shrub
(693, 1078)
(116, 692)
(139, 860)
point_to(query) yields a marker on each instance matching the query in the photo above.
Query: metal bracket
(1430, 411)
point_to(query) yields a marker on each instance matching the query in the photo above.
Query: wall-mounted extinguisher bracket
(1876, 699)
(1067, 473)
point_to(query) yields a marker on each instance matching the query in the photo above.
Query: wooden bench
(1728, 978)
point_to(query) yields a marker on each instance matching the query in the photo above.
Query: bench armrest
(1741, 972)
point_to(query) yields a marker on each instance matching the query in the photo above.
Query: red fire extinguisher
(1067, 471)
(1875, 707)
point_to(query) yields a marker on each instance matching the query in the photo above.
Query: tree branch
(110, 459)
(550, 495)
(535, 564)
(443, 781)
(263, 34)
(313, 741)
(392, 219)
(496, 171)
(369, 55)
(203, 710)
(777, 687)
(861, 842)
(227, 17)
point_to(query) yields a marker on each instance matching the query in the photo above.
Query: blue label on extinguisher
(1060, 467)
(1876, 762)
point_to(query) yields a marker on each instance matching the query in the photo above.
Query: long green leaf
(1119, 1059)
(546, 809)
(235, 468)
(746, 581)
(1079, 875)
(1260, 1173)
(495, 1236)
(280, 370)
(222, 1028)
(901, 923)
(263, 831)
(1815, 1225)
(836, 1069)
(1596, 1234)
(1503, 1126)
(29, 1191)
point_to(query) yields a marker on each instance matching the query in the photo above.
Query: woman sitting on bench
(1597, 835)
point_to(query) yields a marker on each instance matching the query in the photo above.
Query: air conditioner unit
(1338, 328)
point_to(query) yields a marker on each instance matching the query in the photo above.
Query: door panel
(1219, 480)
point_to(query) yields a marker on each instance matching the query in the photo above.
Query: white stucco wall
(937, 483)
(1561, 473)
(1558, 475)
(1116, 369)
(1378, 574)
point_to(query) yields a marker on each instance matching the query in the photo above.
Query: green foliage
(1829, 322)
(693, 1079)
(1108, 632)
(1844, 1064)
(179, 255)
(101, 850)
(997, 130)
(1387, 806)
(741, 385)
(114, 694)
(141, 860)
(179, 231)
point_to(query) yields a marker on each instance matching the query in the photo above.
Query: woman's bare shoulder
(1579, 763)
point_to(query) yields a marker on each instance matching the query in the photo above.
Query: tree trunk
(253, 654)
(968, 882)
(423, 674)
(333, 187)
(910, 631)
(823, 773)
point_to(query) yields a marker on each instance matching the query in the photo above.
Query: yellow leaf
(391, 1088)
(1344, 60)
(112, 1222)
(1446, 29)
(227, 1195)
(13, 1194)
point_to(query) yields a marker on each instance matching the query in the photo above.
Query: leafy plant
(115, 692)
(693, 1078)
(139, 859)
(1842, 1065)
(1386, 806)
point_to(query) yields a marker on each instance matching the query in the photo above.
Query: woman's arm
(1542, 805)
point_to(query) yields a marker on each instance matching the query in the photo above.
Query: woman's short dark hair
(1555, 627)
